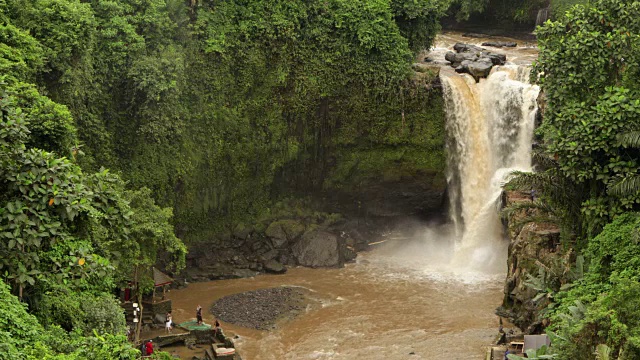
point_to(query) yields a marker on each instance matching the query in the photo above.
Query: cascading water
(490, 130)
(543, 15)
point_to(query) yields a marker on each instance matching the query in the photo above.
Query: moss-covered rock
(282, 231)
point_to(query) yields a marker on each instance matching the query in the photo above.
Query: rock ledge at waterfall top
(474, 60)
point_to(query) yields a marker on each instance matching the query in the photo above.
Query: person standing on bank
(199, 315)
(168, 321)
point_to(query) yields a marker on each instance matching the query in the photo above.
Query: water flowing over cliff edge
(490, 129)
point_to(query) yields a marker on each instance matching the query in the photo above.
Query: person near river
(199, 315)
(217, 329)
(149, 347)
(168, 322)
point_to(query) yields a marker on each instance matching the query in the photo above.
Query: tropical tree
(44, 202)
(597, 46)
(151, 234)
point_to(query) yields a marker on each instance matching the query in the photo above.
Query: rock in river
(500, 44)
(317, 248)
(480, 68)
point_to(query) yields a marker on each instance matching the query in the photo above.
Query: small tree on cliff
(151, 234)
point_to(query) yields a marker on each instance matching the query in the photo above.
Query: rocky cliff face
(532, 247)
(292, 235)
(359, 182)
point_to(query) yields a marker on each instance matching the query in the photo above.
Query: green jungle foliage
(211, 111)
(560, 7)
(604, 307)
(206, 103)
(61, 232)
(588, 69)
(22, 337)
(509, 13)
(499, 13)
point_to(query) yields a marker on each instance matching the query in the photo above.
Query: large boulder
(317, 248)
(282, 231)
(480, 68)
(460, 48)
(450, 56)
(497, 59)
(242, 273)
(269, 255)
(461, 57)
(475, 35)
(242, 231)
(474, 60)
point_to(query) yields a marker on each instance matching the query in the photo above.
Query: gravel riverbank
(260, 309)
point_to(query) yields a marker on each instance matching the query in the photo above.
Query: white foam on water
(318, 355)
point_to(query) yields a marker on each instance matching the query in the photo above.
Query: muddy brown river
(395, 302)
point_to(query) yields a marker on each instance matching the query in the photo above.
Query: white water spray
(490, 130)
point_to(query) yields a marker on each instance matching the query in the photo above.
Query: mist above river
(436, 252)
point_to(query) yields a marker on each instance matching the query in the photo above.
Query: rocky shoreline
(261, 309)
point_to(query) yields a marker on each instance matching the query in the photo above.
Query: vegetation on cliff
(62, 232)
(205, 104)
(588, 70)
(205, 113)
(510, 13)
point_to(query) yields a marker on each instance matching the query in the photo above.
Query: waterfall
(489, 130)
(543, 15)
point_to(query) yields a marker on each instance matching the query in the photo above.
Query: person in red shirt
(149, 347)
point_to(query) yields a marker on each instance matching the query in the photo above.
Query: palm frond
(525, 181)
(542, 160)
(538, 219)
(627, 186)
(517, 207)
(630, 139)
(521, 213)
